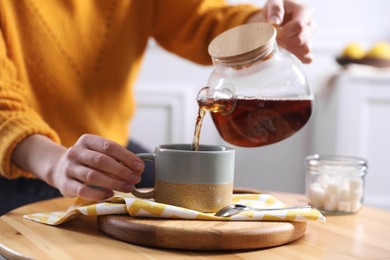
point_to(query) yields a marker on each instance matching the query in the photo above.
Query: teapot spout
(221, 100)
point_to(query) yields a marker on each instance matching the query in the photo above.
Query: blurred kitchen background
(351, 115)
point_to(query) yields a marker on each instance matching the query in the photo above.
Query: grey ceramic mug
(200, 180)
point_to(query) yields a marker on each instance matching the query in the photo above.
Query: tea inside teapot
(258, 122)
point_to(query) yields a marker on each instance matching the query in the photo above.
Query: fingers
(297, 42)
(302, 52)
(73, 188)
(299, 24)
(103, 163)
(95, 178)
(274, 12)
(95, 166)
(297, 29)
(111, 149)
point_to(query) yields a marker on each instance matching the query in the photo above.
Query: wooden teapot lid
(243, 42)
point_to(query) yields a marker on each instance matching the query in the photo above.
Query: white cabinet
(353, 118)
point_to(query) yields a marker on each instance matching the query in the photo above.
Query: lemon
(380, 50)
(353, 51)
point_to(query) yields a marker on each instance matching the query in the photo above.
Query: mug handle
(148, 194)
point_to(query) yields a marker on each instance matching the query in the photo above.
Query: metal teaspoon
(234, 209)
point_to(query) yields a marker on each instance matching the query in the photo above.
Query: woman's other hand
(94, 167)
(91, 169)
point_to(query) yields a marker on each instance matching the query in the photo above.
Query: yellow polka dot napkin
(126, 203)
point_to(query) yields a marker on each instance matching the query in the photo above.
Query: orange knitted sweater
(67, 67)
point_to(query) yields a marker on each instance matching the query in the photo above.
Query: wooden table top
(364, 235)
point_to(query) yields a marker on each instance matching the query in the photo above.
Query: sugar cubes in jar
(335, 184)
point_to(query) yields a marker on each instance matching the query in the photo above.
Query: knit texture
(67, 67)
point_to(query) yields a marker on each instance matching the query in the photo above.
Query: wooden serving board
(201, 234)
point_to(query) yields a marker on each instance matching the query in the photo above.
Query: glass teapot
(257, 93)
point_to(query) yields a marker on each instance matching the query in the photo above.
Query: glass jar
(335, 184)
(258, 93)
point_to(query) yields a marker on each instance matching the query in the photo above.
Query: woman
(67, 70)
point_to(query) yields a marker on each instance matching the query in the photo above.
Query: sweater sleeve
(187, 27)
(17, 118)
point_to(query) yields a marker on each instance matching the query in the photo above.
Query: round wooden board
(200, 235)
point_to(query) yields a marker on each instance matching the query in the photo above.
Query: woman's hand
(94, 167)
(91, 169)
(294, 23)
